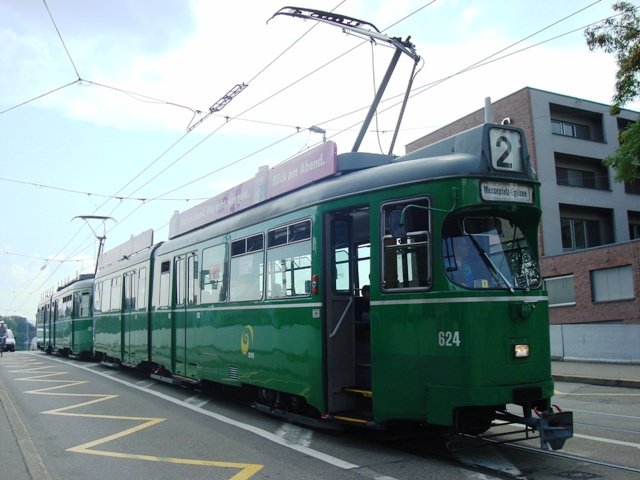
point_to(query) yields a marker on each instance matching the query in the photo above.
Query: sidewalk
(19, 457)
(597, 373)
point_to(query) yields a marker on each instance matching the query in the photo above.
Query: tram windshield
(481, 252)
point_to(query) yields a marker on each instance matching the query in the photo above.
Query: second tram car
(64, 320)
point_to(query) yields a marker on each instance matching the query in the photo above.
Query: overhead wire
(480, 63)
(239, 118)
(230, 118)
(61, 39)
(92, 194)
(171, 103)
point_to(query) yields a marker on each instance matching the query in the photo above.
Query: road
(82, 421)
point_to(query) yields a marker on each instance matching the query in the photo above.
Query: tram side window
(289, 260)
(142, 288)
(247, 269)
(180, 281)
(406, 245)
(66, 308)
(164, 284)
(81, 303)
(97, 297)
(186, 280)
(341, 251)
(214, 274)
(115, 293)
(130, 291)
(106, 295)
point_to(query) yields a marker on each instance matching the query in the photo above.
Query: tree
(21, 328)
(620, 35)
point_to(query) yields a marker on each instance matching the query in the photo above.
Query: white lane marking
(295, 434)
(633, 417)
(197, 400)
(145, 383)
(607, 440)
(324, 457)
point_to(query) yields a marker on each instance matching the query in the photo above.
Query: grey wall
(606, 343)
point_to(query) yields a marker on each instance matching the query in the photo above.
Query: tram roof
(354, 173)
(357, 173)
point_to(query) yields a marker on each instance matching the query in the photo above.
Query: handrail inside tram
(344, 314)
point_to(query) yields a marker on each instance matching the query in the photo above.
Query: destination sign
(506, 192)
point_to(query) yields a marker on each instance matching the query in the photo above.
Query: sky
(104, 105)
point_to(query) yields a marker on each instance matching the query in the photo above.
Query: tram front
(475, 341)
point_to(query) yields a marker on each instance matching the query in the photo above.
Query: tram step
(359, 391)
(358, 418)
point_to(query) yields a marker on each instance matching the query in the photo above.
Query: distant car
(10, 342)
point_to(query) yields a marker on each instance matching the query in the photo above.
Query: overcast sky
(96, 99)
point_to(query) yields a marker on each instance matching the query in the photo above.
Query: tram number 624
(449, 339)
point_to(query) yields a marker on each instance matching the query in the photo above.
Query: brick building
(590, 229)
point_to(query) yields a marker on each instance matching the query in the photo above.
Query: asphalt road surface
(65, 419)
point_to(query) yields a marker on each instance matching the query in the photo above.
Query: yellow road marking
(247, 470)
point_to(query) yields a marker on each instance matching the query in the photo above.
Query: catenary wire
(166, 151)
(61, 39)
(450, 77)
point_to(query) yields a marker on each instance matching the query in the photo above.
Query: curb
(605, 382)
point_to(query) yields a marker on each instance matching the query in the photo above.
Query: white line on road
(607, 440)
(324, 457)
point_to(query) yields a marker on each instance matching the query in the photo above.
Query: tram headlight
(521, 350)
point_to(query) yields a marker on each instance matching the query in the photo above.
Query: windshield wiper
(489, 263)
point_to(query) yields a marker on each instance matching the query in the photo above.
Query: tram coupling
(553, 427)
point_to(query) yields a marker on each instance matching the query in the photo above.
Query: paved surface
(19, 456)
(606, 374)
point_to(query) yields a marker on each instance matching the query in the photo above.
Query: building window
(578, 233)
(559, 127)
(632, 187)
(612, 284)
(634, 224)
(561, 291)
(585, 227)
(575, 178)
(579, 171)
(576, 123)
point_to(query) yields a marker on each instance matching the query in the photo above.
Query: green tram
(261, 288)
(43, 321)
(64, 320)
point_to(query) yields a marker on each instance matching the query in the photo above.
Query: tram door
(184, 335)
(53, 326)
(347, 237)
(47, 327)
(129, 312)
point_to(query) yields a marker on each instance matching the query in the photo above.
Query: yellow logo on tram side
(245, 339)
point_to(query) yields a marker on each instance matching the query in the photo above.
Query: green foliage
(620, 35)
(626, 160)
